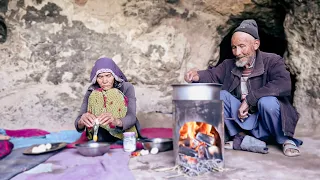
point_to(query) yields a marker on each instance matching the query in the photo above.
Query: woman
(109, 102)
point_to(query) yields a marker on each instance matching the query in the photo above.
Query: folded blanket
(249, 143)
(26, 132)
(67, 136)
(5, 148)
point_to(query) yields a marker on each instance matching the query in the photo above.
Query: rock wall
(302, 26)
(52, 46)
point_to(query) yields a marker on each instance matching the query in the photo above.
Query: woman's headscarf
(106, 65)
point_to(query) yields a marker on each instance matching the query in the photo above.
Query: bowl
(93, 148)
(163, 144)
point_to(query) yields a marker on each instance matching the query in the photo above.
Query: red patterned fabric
(5, 148)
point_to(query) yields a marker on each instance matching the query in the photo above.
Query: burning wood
(213, 150)
(187, 151)
(208, 155)
(188, 159)
(202, 152)
(209, 140)
(192, 143)
(190, 129)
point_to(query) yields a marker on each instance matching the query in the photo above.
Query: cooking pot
(163, 144)
(196, 91)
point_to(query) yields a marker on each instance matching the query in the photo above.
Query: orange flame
(190, 129)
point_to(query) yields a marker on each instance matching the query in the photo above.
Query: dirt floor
(240, 165)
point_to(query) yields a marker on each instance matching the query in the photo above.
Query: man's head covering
(106, 65)
(248, 26)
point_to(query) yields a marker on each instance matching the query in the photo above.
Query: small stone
(81, 2)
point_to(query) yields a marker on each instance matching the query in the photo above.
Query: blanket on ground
(28, 137)
(68, 164)
(16, 162)
(25, 164)
(6, 146)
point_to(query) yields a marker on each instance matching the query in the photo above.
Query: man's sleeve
(279, 83)
(214, 75)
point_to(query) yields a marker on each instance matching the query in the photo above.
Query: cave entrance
(268, 43)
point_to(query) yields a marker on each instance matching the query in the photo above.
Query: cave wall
(302, 24)
(52, 46)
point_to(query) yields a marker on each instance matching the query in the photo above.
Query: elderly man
(255, 90)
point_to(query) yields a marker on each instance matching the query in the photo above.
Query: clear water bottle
(129, 141)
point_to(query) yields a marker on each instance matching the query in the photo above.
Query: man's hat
(248, 26)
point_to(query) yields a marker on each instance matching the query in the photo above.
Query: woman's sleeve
(83, 110)
(130, 119)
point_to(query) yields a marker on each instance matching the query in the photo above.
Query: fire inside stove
(199, 148)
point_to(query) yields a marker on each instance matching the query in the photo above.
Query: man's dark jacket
(268, 78)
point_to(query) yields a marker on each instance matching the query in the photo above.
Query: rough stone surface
(302, 26)
(52, 45)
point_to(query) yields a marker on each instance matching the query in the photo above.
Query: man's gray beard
(241, 63)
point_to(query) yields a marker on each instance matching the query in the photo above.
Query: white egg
(154, 151)
(48, 146)
(42, 148)
(35, 149)
(38, 149)
(144, 152)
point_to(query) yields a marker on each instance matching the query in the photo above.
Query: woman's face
(105, 80)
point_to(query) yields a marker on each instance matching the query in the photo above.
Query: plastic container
(129, 141)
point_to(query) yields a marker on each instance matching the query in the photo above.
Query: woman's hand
(107, 118)
(4, 137)
(86, 120)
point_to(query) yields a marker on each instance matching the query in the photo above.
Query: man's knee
(269, 103)
(224, 94)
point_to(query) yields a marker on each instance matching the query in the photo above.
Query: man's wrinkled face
(105, 80)
(244, 48)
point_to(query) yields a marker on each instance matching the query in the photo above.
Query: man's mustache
(240, 57)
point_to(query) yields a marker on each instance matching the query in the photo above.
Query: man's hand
(107, 118)
(243, 111)
(192, 75)
(87, 120)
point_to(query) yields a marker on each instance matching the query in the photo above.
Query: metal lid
(196, 91)
(128, 134)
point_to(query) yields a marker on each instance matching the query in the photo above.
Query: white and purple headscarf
(103, 65)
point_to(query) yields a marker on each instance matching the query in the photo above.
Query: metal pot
(163, 144)
(196, 91)
(93, 148)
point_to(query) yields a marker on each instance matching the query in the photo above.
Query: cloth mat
(16, 162)
(68, 164)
